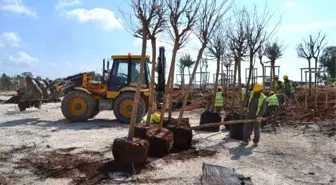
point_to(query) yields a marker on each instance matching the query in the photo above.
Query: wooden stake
(316, 100)
(226, 123)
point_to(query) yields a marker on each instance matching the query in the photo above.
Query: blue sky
(56, 38)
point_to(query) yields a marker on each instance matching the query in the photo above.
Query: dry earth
(40, 147)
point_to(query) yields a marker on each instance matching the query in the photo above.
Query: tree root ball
(140, 130)
(130, 152)
(182, 133)
(161, 141)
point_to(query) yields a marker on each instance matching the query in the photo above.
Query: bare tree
(317, 50)
(148, 22)
(182, 18)
(310, 49)
(256, 25)
(210, 18)
(238, 37)
(216, 49)
(273, 51)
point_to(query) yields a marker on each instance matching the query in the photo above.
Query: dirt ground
(41, 147)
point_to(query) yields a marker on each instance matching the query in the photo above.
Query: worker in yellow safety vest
(219, 99)
(272, 102)
(288, 87)
(256, 108)
(277, 84)
(155, 119)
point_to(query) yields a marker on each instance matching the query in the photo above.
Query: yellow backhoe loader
(116, 91)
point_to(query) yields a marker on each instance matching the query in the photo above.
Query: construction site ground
(41, 147)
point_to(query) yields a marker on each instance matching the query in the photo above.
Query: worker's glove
(259, 119)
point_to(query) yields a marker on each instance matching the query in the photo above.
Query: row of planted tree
(223, 31)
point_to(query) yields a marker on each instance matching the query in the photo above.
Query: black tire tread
(73, 94)
(142, 109)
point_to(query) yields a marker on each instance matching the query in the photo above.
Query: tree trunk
(182, 78)
(137, 93)
(310, 79)
(228, 77)
(168, 89)
(199, 56)
(201, 76)
(234, 82)
(251, 69)
(222, 74)
(315, 71)
(152, 80)
(263, 70)
(272, 73)
(216, 84)
(241, 102)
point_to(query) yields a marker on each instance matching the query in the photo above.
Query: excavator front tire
(77, 106)
(123, 106)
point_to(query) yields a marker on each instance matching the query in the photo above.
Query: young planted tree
(237, 42)
(256, 25)
(150, 17)
(216, 49)
(182, 18)
(210, 16)
(310, 49)
(273, 51)
(319, 47)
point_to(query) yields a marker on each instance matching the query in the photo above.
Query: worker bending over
(219, 99)
(155, 119)
(273, 102)
(256, 108)
(277, 85)
(288, 88)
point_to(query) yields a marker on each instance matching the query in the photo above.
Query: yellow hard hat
(276, 76)
(285, 77)
(219, 88)
(257, 87)
(271, 93)
(156, 117)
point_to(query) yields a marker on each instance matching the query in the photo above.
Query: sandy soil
(40, 147)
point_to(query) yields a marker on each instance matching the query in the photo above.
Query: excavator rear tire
(123, 104)
(77, 106)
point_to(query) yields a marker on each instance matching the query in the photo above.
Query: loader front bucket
(30, 90)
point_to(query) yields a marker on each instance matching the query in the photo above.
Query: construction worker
(256, 108)
(288, 88)
(273, 102)
(277, 84)
(155, 119)
(219, 101)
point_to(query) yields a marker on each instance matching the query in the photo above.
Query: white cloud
(290, 4)
(98, 16)
(311, 26)
(61, 4)
(9, 39)
(17, 7)
(22, 59)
